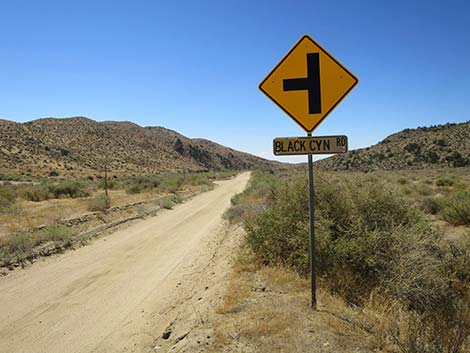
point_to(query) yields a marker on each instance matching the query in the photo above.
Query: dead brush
(397, 329)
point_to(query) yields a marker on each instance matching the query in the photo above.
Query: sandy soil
(121, 293)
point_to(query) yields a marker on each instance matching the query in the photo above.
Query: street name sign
(308, 83)
(285, 146)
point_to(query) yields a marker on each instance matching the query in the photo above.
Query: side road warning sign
(308, 83)
(283, 146)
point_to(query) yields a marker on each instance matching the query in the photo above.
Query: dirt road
(119, 293)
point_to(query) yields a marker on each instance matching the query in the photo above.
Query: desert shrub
(167, 204)
(20, 246)
(456, 208)
(100, 202)
(415, 273)
(430, 205)
(444, 182)
(112, 183)
(7, 200)
(134, 189)
(169, 201)
(171, 183)
(46, 191)
(17, 246)
(370, 240)
(261, 191)
(406, 331)
(142, 184)
(203, 178)
(402, 181)
(57, 233)
(350, 217)
(53, 173)
(278, 234)
(69, 189)
(37, 193)
(432, 313)
(423, 189)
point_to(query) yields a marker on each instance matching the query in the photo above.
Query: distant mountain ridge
(80, 146)
(424, 147)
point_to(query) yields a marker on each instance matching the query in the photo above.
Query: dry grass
(34, 214)
(266, 309)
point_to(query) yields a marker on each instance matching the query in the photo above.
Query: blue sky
(195, 66)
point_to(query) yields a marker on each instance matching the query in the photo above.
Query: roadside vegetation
(21, 245)
(395, 246)
(44, 204)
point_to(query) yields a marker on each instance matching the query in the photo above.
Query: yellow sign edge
(284, 58)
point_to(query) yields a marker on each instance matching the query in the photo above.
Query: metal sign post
(311, 145)
(311, 193)
(307, 84)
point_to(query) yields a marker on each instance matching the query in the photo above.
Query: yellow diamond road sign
(308, 83)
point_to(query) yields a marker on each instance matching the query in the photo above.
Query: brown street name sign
(283, 146)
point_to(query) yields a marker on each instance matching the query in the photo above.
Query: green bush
(17, 246)
(134, 189)
(57, 233)
(169, 201)
(456, 208)
(369, 240)
(37, 193)
(431, 205)
(112, 184)
(258, 196)
(171, 183)
(402, 181)
(20, 244)
(100, 202)
(46, 191)
(7, 200)
(142, 183)
(69, 189)
(444, 182)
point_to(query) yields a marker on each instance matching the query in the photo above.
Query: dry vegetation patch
(266, 309)
(376, 250)
(81, 210)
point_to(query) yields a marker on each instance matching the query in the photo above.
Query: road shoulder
(187, 322)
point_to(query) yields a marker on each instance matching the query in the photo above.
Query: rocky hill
(80, 146)
(425, 147)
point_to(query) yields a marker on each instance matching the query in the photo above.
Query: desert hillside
(424, 147)
(80, 146)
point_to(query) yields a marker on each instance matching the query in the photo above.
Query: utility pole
(106, 178)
